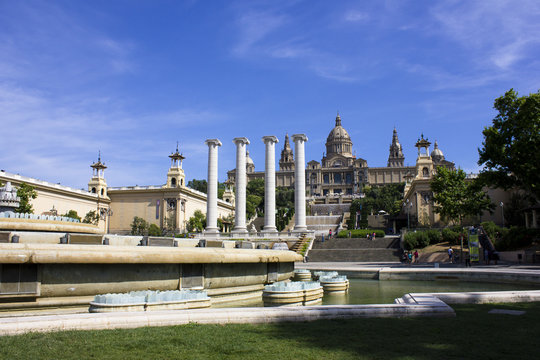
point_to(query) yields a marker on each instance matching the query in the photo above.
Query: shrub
(451, 235)
(360, 233)
(491, 229)
(410, 242)
(434, 236)
(516, 238)
(154, 230)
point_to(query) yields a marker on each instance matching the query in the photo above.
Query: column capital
(270, 138)
(241, 140)
(301, 137)
(215, 142)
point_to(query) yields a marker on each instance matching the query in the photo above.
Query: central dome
(339, 141)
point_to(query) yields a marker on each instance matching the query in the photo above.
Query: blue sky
(130, 78)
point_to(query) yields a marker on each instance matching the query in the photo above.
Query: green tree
(154, 230)
(72, 214)
(91, 217)
(254, 197)
(25, 193)
(202, 186)
(455, 197)
(386, 198)
(139, 226)
(197, 222)
(510, 151)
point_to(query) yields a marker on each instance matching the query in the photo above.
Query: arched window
(93, 190)
(425, 172)
(173, 182)
(181, 182)
(102, 192)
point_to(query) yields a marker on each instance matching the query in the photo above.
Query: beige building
(169, 206)
(56, 199)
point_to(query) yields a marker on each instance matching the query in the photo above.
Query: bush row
(423, 238)
(360, 233)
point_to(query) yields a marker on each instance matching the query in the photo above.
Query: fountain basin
(302, 275)
(293, 294)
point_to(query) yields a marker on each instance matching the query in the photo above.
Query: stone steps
(353, 255)
(380, 243)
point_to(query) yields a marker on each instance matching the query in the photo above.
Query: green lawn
(472, 334)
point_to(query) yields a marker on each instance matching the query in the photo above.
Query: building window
(425, 172)
(93, 190)
(349, 191)
(173, 182)
(337, 191)
(102, 192)
(326, 179)
(337, 178)
(325, 192)
(348, 178)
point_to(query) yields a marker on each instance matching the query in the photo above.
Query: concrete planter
(335, 287)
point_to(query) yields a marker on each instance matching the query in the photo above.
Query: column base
(270, 232)
(300, 229)
(240, 232)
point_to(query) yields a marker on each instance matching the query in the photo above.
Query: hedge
(360, 233)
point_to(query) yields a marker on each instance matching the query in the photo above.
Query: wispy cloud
(256, 26)
(355, 16)
(499, 33)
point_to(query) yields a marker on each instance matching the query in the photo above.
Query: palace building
(340, 176)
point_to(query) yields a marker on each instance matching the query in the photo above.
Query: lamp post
(408, 205)
(106, 214)
(501, 204)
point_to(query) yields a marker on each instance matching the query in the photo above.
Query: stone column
(211, 199)
(270, 185)
(240, 203)
(299, 183)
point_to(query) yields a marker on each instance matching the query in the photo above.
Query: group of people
(408, 257)
(371, 236)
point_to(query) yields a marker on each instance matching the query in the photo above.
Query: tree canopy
(25, 193)
(510, 151)
(386, 198)
(197, 222)
(202, 186)
(456, 197)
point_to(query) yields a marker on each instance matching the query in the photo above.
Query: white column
(240, 204)
(270, 185)
(211, 199)
(299, 183)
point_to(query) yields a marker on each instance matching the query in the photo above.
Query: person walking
(415, 256)
(451, 255)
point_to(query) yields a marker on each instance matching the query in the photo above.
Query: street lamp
(106, 214)
(408, 206)
(501, 204)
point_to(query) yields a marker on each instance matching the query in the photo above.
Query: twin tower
(269, 186)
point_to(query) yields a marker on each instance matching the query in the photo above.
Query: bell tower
(287, 160)
(395, 158)
(424, 162)
(97, 184)
(175, 175)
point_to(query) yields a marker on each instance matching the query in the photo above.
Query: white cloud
(497, 33)
(355, 16)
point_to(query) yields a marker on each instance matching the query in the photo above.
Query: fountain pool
(363, 291)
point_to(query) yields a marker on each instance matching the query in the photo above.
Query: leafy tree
(197, 222)
(91, 217)
(455, 197)
(254, 197)
(139, 226)
(199, 185)
(386, 198)
(511, 148)
(72, 214)
(202, 186)
(25, 193)
(154, 230)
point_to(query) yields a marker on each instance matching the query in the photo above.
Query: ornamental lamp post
(501, 204)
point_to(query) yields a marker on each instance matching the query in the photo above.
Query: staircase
(302, 240)
(355, 250)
